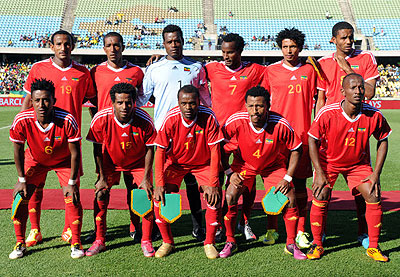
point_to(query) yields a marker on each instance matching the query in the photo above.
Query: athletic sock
(301, 201)
(163, 226)
(360, 208)
(34, 207)
(290, 216)
(318, 215)
(100, 217)
(272, 222)
(66, 221)
(147, 226)
(75, 219)
(19, 221)
(373, 215)
(212, 224)
(230, 223)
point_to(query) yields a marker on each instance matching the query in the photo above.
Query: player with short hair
(258, 135)
(105, 75)
(123, 138)
(162, 80)
(73, 86)
(52, 136)
(339, 144)
(292, 85)
(335, 67)
(192, 135)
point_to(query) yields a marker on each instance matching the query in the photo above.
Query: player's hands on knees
(159, 195)
(18, 187)
(154, 58)
(72, 190)
(148, 187)
(100, 185)
(320, 181)
(375, 184)
(283, 186)
(236, 180)
(212, 195)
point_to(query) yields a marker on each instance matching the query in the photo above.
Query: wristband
(71, 182)
(21, 179)
(288, 178)
(229, 171)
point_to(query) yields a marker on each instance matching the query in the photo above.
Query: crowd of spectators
(13, 76)
(389, 82)
(89, 40)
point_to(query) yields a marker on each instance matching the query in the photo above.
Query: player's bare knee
(231, 198)
(325, 195)
(292, 199)
(102, 195)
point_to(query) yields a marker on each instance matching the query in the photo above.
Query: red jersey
(345, 141)
(189, 142)
(126, 143)
(292, 90)
(361, 62)
(229, 87)
(49, 147)
(105, 77)
(260, 150)
(72, 84)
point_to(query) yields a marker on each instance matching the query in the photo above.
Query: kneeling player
(53, 136)
(339, 144)
(259, 135)
(123, 138)
(192, 134)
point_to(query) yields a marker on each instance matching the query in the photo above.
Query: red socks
(290, 216)
(373, 215)
(75, 219)
(319, 211)
(19, 221)
(230, 223)
(34, 207)
(212, 224)
(100, 219)
(165, 227)
(147, 226)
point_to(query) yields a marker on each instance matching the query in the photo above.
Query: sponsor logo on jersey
(233, 78)
(303, 77)
(64, 78)
(361, 129)
(293, 78)
(46, 139)
(129, 79)
(174, 67)
(135, 133)
(58, 138)
(186, 69)
(243, 77)
(269, 141)
(124, 135)
(198, 131)
(189, 135)
(259, 141)
(355, 67)
(117, 79)
(75, 79)
(351, 130)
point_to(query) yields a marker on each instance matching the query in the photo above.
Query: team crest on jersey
(243, 77)
(46, 139)
(57, 138)
(117, 79)
(269, 141)
(135, 133)
(124, 135)
(303, 77)
(361, 129)
(186, 69)
(351, 130)
(64, 78)
(189, 135)
(129, 79)
(355, 67)
(198, 131)
(75, 79)
(293, 78)
(233, 78)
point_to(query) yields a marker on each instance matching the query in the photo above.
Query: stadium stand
(23, 17)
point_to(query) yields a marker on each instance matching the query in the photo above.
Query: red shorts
(114, 177)
(271, 177)
(353, 175)
(173, 173)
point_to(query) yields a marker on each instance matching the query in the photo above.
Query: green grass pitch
(343, 255)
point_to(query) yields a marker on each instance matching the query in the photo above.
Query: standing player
(73, 85)
(292, 86)
(162, 80)
(53, 136)
(229, 80)
(339, 144)
(123, 141)
(105, 75)
(259, 135)
(335, 67)
(192, 134)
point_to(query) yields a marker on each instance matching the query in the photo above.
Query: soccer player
(162, 80)
(73, 86)
(192, 135)
(292, 85)
(123, 138)
(105, 75)
(335, 67)
(229, 81)
(339, 144)
(53, 136)
(258, 135)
